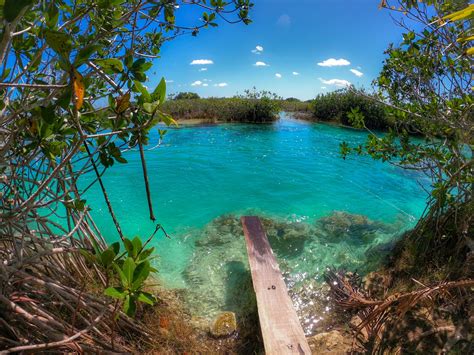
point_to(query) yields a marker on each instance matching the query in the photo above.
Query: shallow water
(289, 172)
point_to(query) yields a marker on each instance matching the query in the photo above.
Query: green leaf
(123, 277)
(12, 8)
(140, 275)
(115, 292)
(146, 297)
(115, 247)
(107, 257)
(60, 42)
(169, 14)
(85, 53)
(47, 114)
(65, 99)
(137, 245)
(88, 255)
(142, 90)
(140, 76)
(128, 60)
(140, 65)
(167, 119)
(129, 306)
(159, 94)
(151, 107)
(146, 253)
(79, 204)
(121, 160)
(128, 246)
(128, 270)
(52, 15)
(110, 65)
(45, 131)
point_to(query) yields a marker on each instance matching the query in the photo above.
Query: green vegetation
(71, 99)
(426, 87)
(132, 268)
(185, 96)
(253, 107)
(292, 104)
(340, 106)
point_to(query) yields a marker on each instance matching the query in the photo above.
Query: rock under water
(218, 277)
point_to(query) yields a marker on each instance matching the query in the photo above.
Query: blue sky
(308, 47)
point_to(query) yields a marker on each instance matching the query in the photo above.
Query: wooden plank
(281, 330)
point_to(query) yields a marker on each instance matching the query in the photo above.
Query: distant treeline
(252, 107)
(260, 107)
(339, 106)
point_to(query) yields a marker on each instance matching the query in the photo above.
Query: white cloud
(323, 87)
(284, 20)
(221, 85)
(197, 83)
(278, 75)
(331, 62)
(336, 82)
(357, 72)
(169, 81)
(201, 62)
(202, 69)
(205, 84)
(257, 50)
(261, 64)
(296, 73)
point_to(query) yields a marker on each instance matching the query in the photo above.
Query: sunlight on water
(319, 210)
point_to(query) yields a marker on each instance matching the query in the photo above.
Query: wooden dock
(281, 330)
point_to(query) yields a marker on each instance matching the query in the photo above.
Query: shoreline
(299, 116)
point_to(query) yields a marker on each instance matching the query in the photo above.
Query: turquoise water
(290, 172)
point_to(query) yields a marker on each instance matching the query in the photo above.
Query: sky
(295, 48)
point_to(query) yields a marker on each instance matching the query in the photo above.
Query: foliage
(72, 99)
(252, 107)
(132, 268)
(341, 105)
(426, 84)
(185, 96)
(292, 104)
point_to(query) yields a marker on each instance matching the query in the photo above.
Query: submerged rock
(218, 275)
(224, 325)
(328, 343)
(287, 238)
(350, 228)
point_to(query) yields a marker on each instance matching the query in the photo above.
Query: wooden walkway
(281, 329)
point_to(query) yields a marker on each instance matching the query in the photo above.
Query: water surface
(290, 172)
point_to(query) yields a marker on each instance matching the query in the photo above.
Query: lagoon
(320, 209)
